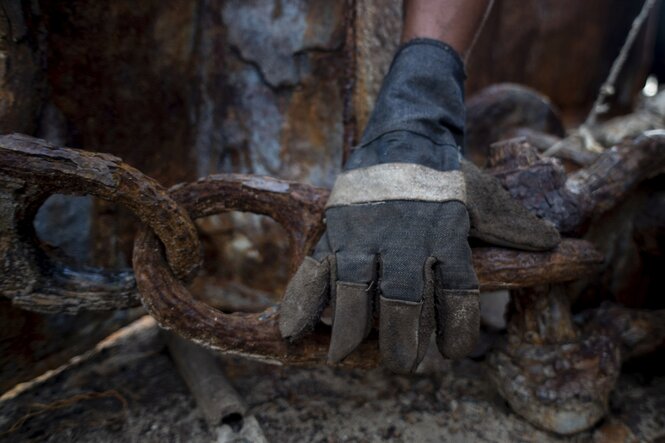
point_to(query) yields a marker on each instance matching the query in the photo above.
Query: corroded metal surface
(619, 170)
(552, 372)
(33, 170)
(538, 183)
(30, 171)
(456, 403)
(541, 371)
(637, 331)
(295, 206)
(298, 208)
(570, 201)
(496, 112)
(507, 269)
(548, 372)
(199, 91)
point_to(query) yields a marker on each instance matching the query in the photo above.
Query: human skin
(455, 22)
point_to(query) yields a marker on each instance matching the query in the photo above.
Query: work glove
(397, 223)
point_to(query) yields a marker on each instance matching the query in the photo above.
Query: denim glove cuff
(422, 93)
(406, 147)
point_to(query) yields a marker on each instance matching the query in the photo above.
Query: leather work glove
(397, 223)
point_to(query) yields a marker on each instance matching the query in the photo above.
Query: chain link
(31, 170)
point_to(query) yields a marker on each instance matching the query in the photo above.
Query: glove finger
(352, 320)
(499, 219)
(352, 303)
(457, 311)
(451, 248)
(406, 322)
(307, 293)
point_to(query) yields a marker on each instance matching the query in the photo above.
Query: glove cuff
(422, 93)
(397, 181)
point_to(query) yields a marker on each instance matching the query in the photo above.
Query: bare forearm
(455, 22)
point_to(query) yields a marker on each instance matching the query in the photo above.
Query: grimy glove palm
(397, 224)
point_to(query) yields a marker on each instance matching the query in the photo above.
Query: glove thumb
(499, 219)
(307, 294)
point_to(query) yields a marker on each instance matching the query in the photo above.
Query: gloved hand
(397, 224)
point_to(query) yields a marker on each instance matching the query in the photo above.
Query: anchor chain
(166, 249)
(30, 171)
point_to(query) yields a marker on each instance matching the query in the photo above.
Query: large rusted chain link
(299, 209)
(30, 171)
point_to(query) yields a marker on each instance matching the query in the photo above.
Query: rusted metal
(552, 372)
(499, 268)
(638, 331)
(570, 201)
(618, 171)
(496, 112)
(558, 372)
(30, 171)
(299, 209)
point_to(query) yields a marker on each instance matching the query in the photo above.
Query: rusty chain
(166, 250)
(30, 171)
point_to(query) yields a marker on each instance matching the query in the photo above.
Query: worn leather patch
(351, 321)
(499, 219)
(399, 337)
(458, 321)
(305, 297)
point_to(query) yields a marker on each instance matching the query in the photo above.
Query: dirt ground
(127, 390)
